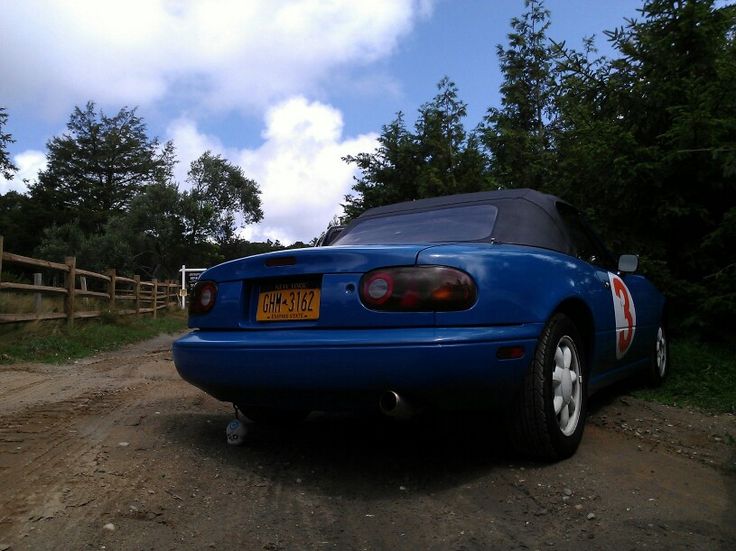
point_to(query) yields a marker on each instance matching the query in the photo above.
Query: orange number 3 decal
(625, 314)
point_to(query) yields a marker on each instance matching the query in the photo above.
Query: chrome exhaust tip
(392, 404)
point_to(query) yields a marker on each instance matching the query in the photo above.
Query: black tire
(536, 430)
(274, 416)
(659, 366)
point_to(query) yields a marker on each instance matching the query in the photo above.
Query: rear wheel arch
(582, 317)
(665, 316)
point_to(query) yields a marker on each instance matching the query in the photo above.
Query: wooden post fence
(147, 296)
(71, 286)
(111, 288)
(137, 292)
(38, 281)
(155, 297)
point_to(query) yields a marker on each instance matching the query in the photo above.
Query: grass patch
(51, 342)
(702, 376)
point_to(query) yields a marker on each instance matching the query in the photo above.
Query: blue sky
(281, 88)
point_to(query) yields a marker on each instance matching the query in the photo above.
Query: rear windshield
(464, 223)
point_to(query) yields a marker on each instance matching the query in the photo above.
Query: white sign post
(189, 277)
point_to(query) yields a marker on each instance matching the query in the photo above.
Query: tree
(389, 174)
(163, 226)
(97, 167)
(594, 145)
(152, 238)
(682, 63)
(516, 135)
(221, 199)
(156, 226)
(13, 209)
(647, 141)
(450, 160)
(238, 248)
(95, 252)
(7, 168)
(438, 158)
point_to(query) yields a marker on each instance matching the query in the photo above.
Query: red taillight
(417, 289)
(203, 298)
(378, 287)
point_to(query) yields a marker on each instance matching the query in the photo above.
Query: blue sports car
(499, 300)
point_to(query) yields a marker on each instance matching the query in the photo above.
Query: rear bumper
(450, 368)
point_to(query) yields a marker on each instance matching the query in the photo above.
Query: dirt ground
(116, 452)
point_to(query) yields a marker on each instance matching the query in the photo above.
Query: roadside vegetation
(56, 343)
(702, 376)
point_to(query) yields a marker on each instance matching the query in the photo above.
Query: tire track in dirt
(64, 438)
(54, 431)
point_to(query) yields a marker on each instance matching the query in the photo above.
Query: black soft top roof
(525, 216)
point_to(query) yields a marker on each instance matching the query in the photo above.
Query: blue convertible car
(501, 299)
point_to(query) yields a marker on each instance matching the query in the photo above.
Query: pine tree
(97, 167)
(7, 168)
(516, 135)
(389, 174)
(438, 158)
(647, 141)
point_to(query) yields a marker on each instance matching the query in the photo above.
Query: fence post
(111, 288)
(83, 287)
(71, 287)
(37, 280)
(1, 257)
(155, 297)
(137, 280)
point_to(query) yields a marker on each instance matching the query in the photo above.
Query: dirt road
(116, 452)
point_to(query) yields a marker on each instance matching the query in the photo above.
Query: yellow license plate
(288, 301)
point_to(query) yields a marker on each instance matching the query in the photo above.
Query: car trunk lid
(268, 291)
(315, 261)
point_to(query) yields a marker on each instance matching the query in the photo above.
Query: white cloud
(299, 166)
(29, 163)
(226, 56)
(223, 54)
(190, 144)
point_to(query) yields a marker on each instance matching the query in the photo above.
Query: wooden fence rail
(123, 295)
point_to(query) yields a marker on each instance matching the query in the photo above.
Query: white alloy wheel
(548, 416)
(567, 383)
(659, 362)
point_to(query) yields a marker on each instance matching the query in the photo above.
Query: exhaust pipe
(393, 405)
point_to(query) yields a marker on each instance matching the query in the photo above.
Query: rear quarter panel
(519, 285)
(522, 284)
